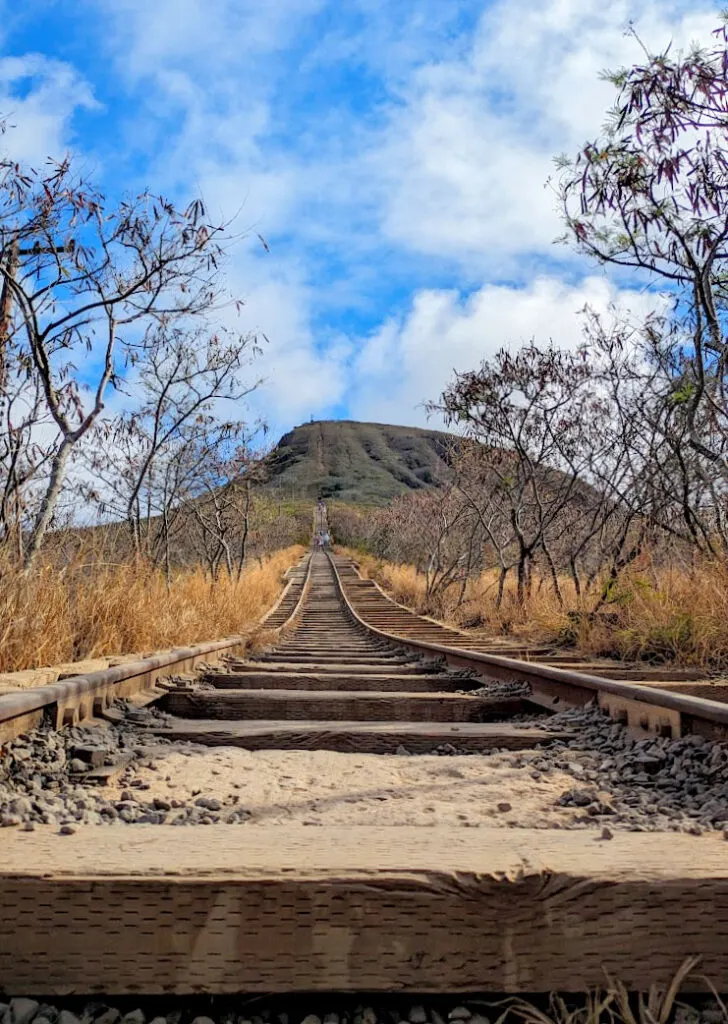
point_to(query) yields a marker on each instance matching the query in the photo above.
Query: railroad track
(331, 684)
(293, 908)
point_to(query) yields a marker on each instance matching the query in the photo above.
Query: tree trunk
(167, 560)
(521, 591)
(575, 577)
(50, 500)
(554, 576)
(501, 586)
(246, 530)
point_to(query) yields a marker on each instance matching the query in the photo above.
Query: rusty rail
(643, 709)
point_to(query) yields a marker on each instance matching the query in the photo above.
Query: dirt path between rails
(328, 788)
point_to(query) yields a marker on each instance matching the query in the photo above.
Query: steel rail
(286, 591)
(644, 709)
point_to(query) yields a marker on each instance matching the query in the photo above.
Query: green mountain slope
(367, 463)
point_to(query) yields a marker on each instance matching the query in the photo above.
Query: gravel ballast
(313, 1009)
(595, 776)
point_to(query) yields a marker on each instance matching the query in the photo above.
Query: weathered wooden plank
(360, 706)
(268, 908)
(319, 668)
(355, 737)
(308, 681)
(339, 657)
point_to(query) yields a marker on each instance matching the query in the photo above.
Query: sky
(394, 154)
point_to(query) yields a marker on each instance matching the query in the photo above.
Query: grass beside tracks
(90, 608)
(654, 613)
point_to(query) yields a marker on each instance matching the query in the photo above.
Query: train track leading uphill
(554, 852)
(329, 684)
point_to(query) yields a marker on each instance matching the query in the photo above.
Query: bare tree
(90, 287)
(651, 193)
(528, 412)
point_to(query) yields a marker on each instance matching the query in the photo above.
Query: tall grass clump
(89, 608)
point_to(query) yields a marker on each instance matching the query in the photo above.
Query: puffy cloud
(419, 173)
(38, 99)
(150, 38)
(409, 361)
(468, 153)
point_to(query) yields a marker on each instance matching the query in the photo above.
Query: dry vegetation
(90, 607)
(616, 1004)
(656, 613)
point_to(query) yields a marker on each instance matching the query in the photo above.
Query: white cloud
(447, 159)
(300, 377)
(38, 99)
(151, 37)
(467, 156)
(409, 361)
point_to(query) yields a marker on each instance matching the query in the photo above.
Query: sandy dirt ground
(327, 788)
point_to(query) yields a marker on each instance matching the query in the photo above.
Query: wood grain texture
(362, 706)
(309, 681)
(331, 668)
(355, 737)
(266, 908)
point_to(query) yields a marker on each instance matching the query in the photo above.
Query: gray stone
(199, 1020)
(209, 803)
(311, 1019)
(417, 1015)
(686, 1015)
(66, 1017)
(459, 1013)
(135, 1017)
(22, 1011)
(712, 1016)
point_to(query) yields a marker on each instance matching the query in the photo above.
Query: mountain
(365, 463)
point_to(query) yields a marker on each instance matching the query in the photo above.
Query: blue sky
(393, 153)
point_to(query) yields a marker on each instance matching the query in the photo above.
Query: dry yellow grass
(90, 608)
(655, 613)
